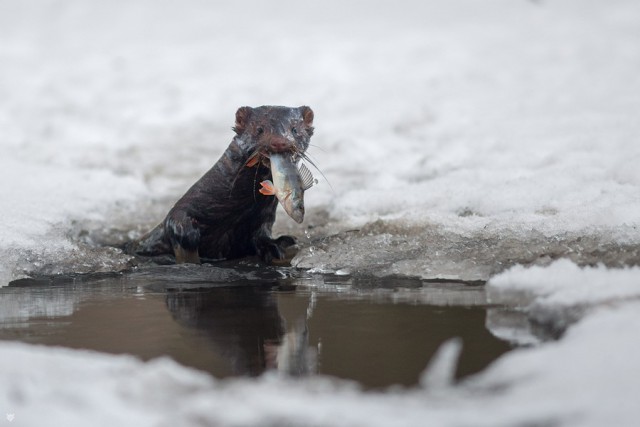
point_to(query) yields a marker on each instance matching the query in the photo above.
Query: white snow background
(460, 138)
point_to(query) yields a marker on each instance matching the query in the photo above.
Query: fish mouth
(294, 208)
(297, 215)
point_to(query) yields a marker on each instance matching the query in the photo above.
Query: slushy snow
(460, 139)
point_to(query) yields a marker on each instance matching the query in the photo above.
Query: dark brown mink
(223, 216)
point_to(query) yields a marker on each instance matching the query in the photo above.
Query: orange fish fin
(267, 188)
(253, 160)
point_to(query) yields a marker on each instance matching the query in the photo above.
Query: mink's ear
(242, 117)
(307, 117)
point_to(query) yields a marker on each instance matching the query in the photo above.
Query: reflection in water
(31, 303)
(513, 326)
(246, 328)
(376, 344)
(294, 356)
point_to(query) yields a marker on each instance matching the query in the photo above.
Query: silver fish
(289, 184)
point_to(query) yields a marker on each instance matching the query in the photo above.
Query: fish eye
(260, 130)
(294, 130)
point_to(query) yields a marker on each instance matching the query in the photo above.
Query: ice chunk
(442, 367)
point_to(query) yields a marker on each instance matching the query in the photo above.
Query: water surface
(231, 321)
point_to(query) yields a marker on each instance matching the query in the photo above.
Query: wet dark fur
(223, 216)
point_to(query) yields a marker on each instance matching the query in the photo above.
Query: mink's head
(271, 129)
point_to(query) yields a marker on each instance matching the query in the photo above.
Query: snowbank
(586, 379)
(42, 204)
(563, 283)
(560, 293)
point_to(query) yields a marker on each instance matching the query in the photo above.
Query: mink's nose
(278, 144)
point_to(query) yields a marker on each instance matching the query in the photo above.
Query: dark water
(229, 321)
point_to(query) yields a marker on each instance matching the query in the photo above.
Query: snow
(585, 379)
(560, 293)
(564, 283)
(460, 139)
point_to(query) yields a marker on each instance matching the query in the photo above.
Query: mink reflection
(245, 328)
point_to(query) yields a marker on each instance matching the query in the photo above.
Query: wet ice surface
(241, 321)
(435, 252)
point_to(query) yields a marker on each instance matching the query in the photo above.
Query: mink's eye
(260, 131)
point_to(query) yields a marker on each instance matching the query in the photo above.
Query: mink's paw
(277, 250)
(184, 235)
